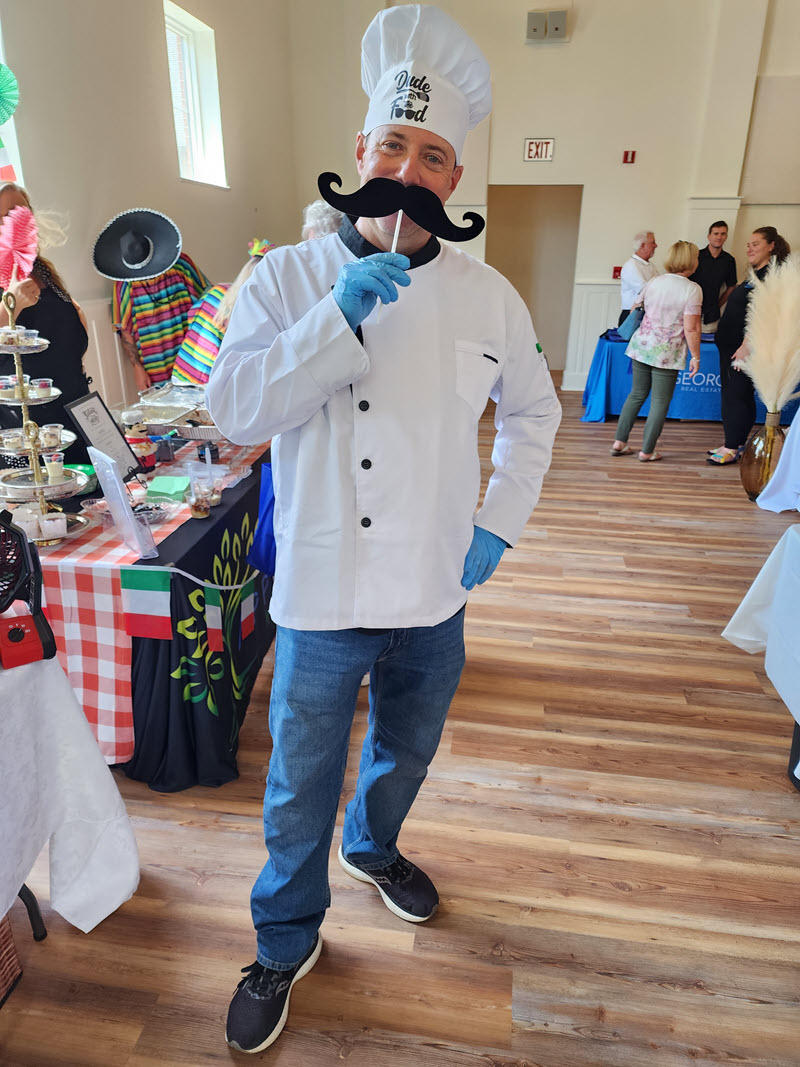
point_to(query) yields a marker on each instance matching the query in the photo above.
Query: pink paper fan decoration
(19, 240)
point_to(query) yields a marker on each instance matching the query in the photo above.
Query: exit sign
(539, 149)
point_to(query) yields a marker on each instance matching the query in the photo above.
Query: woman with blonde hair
(208, 321)
(671, 324)
(43, 303)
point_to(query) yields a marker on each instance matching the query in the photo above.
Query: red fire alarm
(629, 156)
(617, 272)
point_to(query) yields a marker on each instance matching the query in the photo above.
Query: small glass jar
(29, 337)
(6, 385)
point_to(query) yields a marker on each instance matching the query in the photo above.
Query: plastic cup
(50, 434)
(29, 524)
(54, 524)
(13, 440)
(199, 506)
(42, 386)
(54, 463)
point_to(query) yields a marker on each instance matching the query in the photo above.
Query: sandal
(626, 451)
(720, 459)
(654, 457)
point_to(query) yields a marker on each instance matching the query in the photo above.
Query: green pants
(662, 382)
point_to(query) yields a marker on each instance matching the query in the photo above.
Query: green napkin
(172, 486)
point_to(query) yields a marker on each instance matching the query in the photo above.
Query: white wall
(673, 81)
(771, 172)
(96, 133)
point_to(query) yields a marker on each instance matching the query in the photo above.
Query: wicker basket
(10, 968)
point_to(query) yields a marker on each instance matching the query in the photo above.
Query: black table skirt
(189, 703)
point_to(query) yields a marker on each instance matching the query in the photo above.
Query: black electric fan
(23, 638)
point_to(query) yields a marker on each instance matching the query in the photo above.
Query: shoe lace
(399, 871)
(261, 982)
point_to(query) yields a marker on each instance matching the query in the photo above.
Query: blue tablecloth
(610, 378)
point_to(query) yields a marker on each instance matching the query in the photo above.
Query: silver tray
(20, 486)
(165, 413)
(17, 401)
(75, 524)
(67, 438)
(191, 433)
(187, 397)
(26, 350)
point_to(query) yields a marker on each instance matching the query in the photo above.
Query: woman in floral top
(671, 323)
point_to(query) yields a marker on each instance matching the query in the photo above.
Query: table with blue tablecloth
(610, 379)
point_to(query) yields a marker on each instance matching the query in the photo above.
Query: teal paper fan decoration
(9, 93)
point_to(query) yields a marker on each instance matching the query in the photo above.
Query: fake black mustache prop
(383, 196)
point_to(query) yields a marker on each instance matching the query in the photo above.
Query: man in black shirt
(715, 274)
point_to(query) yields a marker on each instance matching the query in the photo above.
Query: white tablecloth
(55, 785)
(783, 489)
(769, 619)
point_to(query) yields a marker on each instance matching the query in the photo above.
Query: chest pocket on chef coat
(476, 372)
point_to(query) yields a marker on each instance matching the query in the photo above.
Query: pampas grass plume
(773, 334)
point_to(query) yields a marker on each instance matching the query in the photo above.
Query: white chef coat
(374, 451)
(635, 272)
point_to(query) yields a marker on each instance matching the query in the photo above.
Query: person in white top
(373, 412)
(636, 271)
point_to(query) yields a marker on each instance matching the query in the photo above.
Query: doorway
(532, 239)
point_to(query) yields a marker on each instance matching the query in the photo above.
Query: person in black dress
(738, 399)
(44, 304)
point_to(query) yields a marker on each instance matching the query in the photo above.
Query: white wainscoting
(595, 307)
(105, 362)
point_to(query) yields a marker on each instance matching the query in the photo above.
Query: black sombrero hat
(136, 244)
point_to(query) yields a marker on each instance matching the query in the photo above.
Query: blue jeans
(414, 674)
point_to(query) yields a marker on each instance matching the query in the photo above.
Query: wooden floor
(608, 821)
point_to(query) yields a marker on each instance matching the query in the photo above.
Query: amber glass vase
(761, 456)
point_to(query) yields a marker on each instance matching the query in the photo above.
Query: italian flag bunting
(214, 619)
(146, 602)
(248, 608)
(6, 166)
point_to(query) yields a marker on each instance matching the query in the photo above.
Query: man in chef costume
(370, 370)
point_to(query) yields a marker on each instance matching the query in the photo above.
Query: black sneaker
(260, 1005)
(406, 890)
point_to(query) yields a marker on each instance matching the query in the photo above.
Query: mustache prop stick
(383, 196)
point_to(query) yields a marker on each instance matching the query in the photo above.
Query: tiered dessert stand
(32, 483)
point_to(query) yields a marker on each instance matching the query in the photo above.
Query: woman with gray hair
(320, 219)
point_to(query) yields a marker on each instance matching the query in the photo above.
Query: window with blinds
(192, 59)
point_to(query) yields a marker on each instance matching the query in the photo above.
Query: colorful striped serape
(155, 312)
(200, 346)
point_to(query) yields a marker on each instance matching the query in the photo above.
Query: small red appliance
(27, 637)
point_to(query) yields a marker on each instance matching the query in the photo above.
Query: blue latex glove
(360, 285)
(483, 556)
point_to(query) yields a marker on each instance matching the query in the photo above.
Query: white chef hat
(419, 68)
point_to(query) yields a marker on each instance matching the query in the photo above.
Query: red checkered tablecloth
(83, 603)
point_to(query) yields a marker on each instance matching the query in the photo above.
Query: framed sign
(98, 429)
(539, 149)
